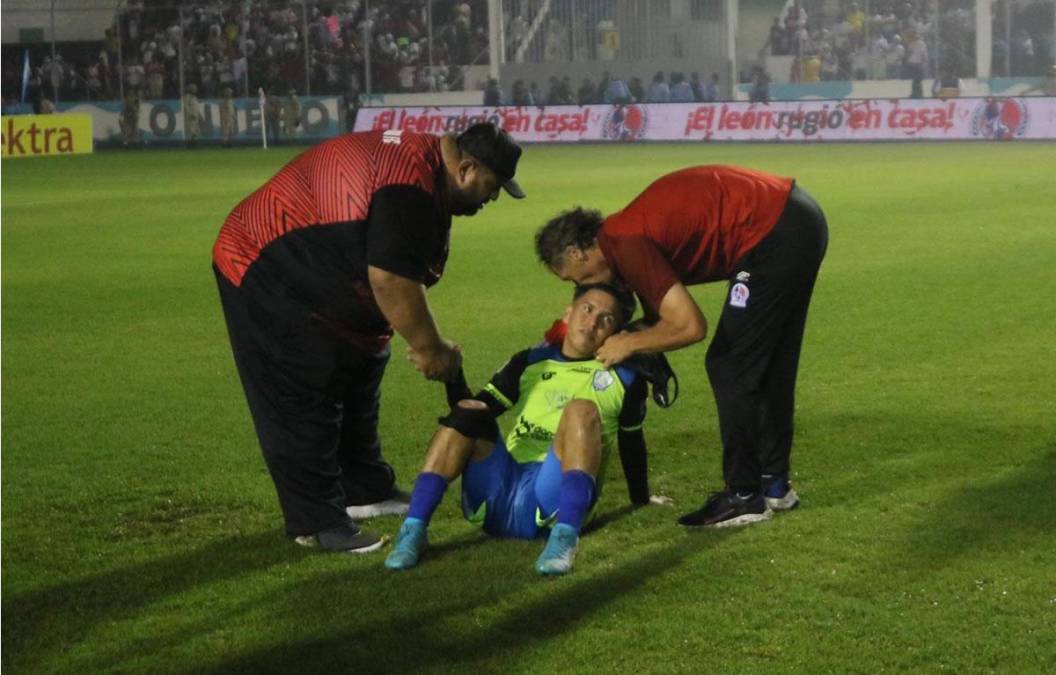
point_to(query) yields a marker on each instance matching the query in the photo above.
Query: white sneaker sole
(389, 507)
(786, 503)
(746, 519)
(311, 542)
(367, 549)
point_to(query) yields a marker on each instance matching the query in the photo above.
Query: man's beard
(465, 207)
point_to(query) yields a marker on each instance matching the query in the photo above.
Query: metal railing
(554, 31)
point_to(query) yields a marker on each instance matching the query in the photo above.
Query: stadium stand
(905, 38)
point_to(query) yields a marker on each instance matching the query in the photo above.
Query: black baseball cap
(495, 149)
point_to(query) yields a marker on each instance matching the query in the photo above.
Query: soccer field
(141, 532)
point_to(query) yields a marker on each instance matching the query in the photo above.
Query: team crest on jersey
(393, 136)
(739, 295)
(602, 380)
(743, 276)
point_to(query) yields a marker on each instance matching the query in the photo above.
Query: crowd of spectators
(321, 47)
(245, 45)
(905, 39)
(673, 87)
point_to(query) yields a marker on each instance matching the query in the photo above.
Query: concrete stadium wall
(997, 86)
(75, 20)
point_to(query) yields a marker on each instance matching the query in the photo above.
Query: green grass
(141, 533)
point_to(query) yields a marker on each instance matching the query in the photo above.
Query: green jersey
(536, 384)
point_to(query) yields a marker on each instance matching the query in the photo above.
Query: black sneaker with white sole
(778, 493)
(348, 538)
(728, 509)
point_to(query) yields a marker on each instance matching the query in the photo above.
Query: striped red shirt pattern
(330, 183)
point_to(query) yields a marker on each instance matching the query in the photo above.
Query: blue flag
(25, 75)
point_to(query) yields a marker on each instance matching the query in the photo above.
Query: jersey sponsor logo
(392, 136)
(602, 380)
(739, 295)
(526, 429)
(586, 371)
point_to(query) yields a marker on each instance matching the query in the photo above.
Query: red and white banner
(996, 118)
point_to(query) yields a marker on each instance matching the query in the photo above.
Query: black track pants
(314, 399)
(754, 356)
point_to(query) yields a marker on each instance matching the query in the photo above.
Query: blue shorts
(511, 499)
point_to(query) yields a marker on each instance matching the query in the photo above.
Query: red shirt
(691, 226)
(302, 243)
(334, 182)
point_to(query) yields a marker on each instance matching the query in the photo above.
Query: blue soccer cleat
(560, 551)
(410, 542)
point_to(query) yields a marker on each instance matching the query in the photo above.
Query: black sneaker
(728, 509)
(346, 538)
(778, 492)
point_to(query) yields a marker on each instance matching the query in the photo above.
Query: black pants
(754, 356)
(314, 399)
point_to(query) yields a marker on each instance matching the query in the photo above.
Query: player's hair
(624, 299)
(576, 227)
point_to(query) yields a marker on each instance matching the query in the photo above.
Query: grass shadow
(39, 622)
(987, 515)
(412, 642)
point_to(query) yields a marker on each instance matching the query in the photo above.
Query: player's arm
(468, 417)
(504, 388)
(631, 441)
(400, 243)
(680, 323)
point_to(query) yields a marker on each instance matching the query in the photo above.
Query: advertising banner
(46, 135)
(161, 121)
(996, 118)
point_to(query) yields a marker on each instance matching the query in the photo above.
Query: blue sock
(577, 494)
(428, 490)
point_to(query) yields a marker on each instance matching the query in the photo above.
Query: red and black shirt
(691, 226)
(301, 244)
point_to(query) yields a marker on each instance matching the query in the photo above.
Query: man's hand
(616, 349)
(440, 362)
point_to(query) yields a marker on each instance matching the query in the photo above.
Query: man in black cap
(316, 270)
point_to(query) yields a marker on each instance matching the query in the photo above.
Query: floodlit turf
(141, 531)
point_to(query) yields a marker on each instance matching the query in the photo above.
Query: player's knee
(472, 404)
(583, 413)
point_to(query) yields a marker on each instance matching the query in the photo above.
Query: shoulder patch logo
(602, 380)
(739, 295)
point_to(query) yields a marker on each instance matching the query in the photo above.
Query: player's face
(592, 318)
(584, 267)
(476, 186)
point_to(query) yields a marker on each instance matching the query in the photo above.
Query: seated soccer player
(546, 474)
